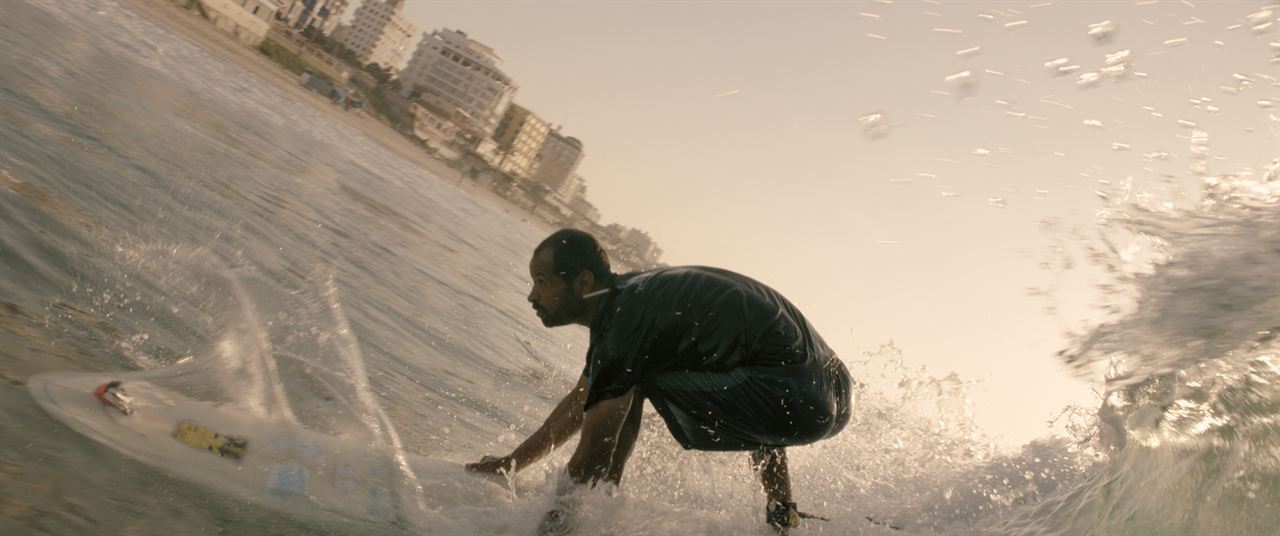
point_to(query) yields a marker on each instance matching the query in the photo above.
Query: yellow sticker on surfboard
(205, 439)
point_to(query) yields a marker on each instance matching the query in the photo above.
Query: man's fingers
(489, 464)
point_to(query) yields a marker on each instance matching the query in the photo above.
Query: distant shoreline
(168, 14)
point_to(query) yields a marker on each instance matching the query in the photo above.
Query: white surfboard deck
(283, 465)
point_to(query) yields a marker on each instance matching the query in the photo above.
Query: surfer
(728, 363)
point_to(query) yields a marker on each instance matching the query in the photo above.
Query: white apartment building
(557, 160)
(579, 205)
(451, 71)
(519, 137)
(248, 20)
(379, 33)
(574, 186)
(322, 15)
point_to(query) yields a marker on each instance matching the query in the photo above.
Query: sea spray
(374, 417)
(1190, 350)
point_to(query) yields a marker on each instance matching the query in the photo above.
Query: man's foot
(558, 522)
(782, 516)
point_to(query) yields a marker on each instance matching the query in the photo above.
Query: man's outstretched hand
(492, 464)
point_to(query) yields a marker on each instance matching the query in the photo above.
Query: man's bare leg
(771, 463)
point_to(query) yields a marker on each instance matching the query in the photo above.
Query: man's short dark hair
(575, 251)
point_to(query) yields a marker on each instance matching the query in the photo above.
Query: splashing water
(1190, 354)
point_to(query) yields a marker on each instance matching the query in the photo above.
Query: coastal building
(452, 71)
(248, 20)
(519, 136)
(323, 15)
(379, 33)
(432, 124)
(557, 159)
(573, 187)
(573, 199)
(581, 207)
(633, 247)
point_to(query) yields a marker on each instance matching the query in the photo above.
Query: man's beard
(571, 307)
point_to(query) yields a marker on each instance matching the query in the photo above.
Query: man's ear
(584, 282)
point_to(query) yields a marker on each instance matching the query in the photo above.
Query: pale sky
(730, 132)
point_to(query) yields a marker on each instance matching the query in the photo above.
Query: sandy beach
(203, 33)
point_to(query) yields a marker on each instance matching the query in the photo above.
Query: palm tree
(503, 152)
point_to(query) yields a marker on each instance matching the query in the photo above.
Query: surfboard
(273, 462)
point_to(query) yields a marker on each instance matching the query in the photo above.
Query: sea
(165, 214)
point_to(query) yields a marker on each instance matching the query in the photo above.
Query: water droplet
(1102, 32)
(1261, 21)
(1093, 123)
(1061, 67)
(1117, 64)
(964, 84)
(981, 152)
(1064, 106)
(875, 125)
(1088, 80)
(1264, 103)
(1119, 146)
(997, 202)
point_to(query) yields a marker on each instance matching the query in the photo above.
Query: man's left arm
(595, 458)
(602, 427)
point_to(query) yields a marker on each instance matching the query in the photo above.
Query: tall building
(579, 205)
(248, 20)
(519, 137)
(379, 33)
(557, 160)
(572, 187)
(322, 15)
(451, 71)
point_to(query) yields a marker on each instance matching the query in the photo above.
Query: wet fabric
(728, 362)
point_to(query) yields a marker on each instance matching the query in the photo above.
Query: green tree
(537, 192)
(503, 152)
(378, 73)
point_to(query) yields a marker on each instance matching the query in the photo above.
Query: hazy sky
(730, 131)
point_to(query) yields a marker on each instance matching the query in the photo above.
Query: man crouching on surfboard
(726, 361)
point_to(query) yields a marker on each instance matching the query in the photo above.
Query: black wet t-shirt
(694, 319)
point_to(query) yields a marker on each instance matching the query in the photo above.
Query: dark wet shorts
(749, 408)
